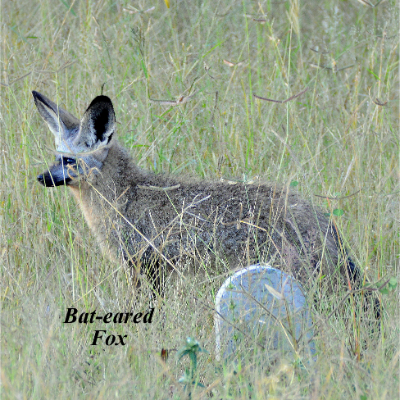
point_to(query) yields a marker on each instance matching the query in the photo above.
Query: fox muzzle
(49, 180)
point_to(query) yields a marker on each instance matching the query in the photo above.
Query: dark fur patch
(101, 123)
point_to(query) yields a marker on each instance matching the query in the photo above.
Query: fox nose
(46, 180)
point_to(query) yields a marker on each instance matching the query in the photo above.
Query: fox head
(82, 146)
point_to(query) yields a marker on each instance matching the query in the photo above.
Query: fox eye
(69, 160)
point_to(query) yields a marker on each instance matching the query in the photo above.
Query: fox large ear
(98, 123)
(60, 122)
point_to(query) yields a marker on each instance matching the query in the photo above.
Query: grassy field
(338, 142)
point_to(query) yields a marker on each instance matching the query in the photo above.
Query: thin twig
(137, 11)
(231, 64)
(214, 108)
(281, 101)
(333, 69)
(316, 50)
(45, 71)
(157, 188)
(181, 100)
(15, 80)
(337, 198)
(379, 103)
(367, 3)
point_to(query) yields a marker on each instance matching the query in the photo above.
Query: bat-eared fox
(156, 223)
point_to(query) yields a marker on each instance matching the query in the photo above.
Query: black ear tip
(37, 96)
(101, 100)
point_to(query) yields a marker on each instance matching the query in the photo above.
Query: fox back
(160, 222)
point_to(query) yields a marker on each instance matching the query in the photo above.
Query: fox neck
(101, 194)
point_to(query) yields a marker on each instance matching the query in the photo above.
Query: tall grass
(338, 140)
